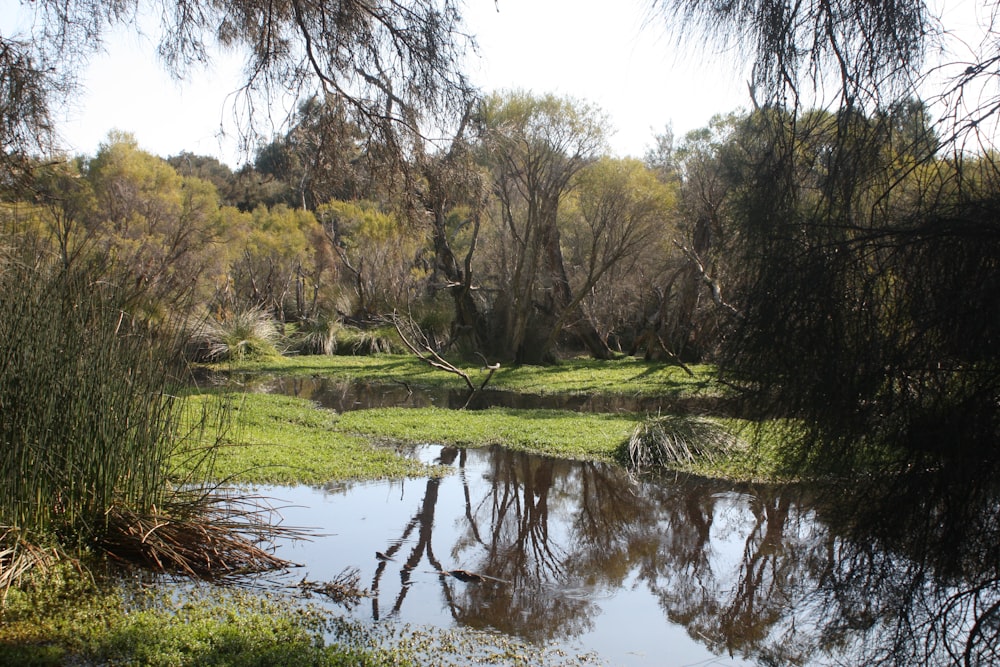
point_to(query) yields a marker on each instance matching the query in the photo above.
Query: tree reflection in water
(775, 575)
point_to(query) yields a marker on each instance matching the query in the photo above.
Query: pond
(344, 396)
(677, 570)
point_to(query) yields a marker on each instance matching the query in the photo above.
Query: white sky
(577, 48)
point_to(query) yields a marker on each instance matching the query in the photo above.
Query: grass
(280, 440)
(555, 432)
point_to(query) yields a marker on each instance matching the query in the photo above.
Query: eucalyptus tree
(391, 62)
(534, 147)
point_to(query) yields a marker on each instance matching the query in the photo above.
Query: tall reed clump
(86, 418)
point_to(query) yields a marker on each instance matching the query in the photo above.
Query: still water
(670, 571)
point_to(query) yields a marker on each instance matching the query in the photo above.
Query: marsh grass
(90, 425)
(367, 341)
(667, 441)
(84, 392)
(208, 535)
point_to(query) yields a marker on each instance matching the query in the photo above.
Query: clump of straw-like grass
(19, 557)
(344, 589)
(317, 335)
(204, 535)
(240, 335)
(670, 440)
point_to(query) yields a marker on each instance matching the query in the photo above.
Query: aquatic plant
(89, 421)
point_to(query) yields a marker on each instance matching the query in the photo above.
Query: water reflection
(672, 571)
(345, 396)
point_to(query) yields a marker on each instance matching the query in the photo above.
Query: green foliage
(378, 251)
(282, 440)
(154, 224)
(67, 619)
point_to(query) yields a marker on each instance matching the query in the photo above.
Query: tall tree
(535, 146)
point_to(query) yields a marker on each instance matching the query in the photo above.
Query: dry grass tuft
(210, 537)
(667, 440)
(345, 589)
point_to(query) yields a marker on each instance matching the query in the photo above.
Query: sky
(575, 48)
(613, 58)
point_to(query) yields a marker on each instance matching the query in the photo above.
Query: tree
(377, 251)
(857, 245)
(534, 148)
(390, 61)
(618, 225)
(153, 224)
(867, 50)
(684, 323)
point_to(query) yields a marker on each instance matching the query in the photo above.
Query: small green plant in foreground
(68, 619)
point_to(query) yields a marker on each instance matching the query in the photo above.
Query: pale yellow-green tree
(158, 227)
(534, 147)
(378, 252)
(617, 225)
(280, 262)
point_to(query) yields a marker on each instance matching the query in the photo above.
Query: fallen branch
(429, 356)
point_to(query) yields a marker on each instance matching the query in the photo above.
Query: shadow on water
(345, 396)
(672, 571)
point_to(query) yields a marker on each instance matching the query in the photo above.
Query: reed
(86, 417)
